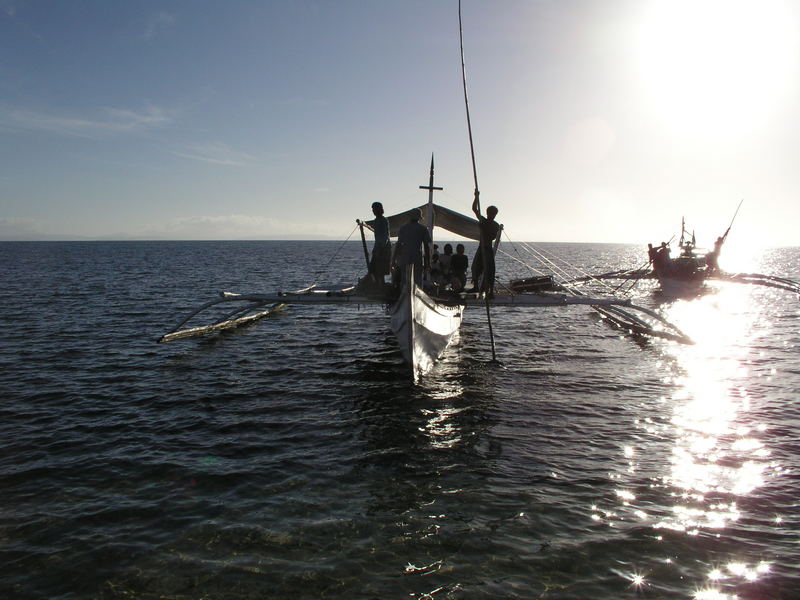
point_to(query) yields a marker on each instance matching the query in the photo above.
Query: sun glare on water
(717, 67)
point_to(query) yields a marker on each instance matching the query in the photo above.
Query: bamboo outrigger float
(243, 315)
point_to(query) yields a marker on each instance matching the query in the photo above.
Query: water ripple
(290, 460)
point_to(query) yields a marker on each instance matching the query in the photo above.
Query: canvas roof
(444, 218)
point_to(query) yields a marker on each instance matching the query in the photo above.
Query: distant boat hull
(423, 327)
(681, 287)
(683, 276)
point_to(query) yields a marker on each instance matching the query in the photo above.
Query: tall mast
(430, 187)
(474, 167)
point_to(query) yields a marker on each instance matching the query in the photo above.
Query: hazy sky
(594, 121)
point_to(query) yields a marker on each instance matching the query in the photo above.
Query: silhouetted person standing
(414, 239)
(382, 250)
(483, 268)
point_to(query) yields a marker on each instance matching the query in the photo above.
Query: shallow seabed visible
(294, 458)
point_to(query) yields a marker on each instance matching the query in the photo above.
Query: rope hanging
(324, 268)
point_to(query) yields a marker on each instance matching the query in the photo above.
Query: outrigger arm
(258, 306)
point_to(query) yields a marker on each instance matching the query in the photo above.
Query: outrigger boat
(425, 317)
(687, 274)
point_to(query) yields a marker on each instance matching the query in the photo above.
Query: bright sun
(717, 67)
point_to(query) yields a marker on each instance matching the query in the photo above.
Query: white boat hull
(423, 327)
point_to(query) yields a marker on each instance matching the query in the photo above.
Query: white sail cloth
(444, 218)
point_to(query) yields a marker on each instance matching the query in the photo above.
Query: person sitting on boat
(483, 267)
(445, 261)
(438, 283)
(382, 250)
(458, 266)
(436, 269)
(413, 238)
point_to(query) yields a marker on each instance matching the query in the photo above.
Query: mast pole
(474, 168)
(725, 235)
(466, 101)
(363, 241)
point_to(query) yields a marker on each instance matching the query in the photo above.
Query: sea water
(294, 459)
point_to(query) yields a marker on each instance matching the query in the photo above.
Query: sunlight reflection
(717, 450)
(626, 495)
(443, 386)
(688, 519)
(712, 594)
(737, 568)
(747, 573)
(743, 258)
(440, 428)
(439, 425)
(637, 580)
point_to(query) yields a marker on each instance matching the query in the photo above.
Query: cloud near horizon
(109, 120)
(19, 227)
(197, 227)
(217, 154)
(236, 226)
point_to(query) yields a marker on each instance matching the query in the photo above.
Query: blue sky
(593, 121)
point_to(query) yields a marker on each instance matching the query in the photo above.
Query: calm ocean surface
(293, 459)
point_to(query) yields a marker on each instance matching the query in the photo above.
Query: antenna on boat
(474, 168)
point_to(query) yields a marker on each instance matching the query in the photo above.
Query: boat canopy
(443, 218)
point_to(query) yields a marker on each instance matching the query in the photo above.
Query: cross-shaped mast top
(430, 187)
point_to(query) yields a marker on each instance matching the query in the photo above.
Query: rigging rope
(324, 268)
(545, 258)
(621, 316)
(549, 260)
